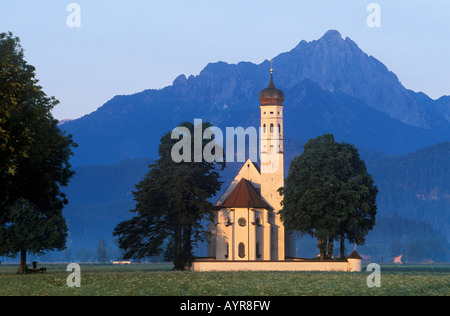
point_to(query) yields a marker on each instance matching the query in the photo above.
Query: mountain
(330, 84)
(336, 64)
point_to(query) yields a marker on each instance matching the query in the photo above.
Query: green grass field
(159, 280)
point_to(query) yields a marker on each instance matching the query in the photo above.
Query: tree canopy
(35, 153)
(171, 202)
(329, 194)
(17, 90)
(31, 231)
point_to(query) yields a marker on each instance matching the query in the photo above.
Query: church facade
(247, 225)
(247, 233)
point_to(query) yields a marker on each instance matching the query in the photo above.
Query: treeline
(421, 171)
(417, 241)
(416, 185)
(392, 236)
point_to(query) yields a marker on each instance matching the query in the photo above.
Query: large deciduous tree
(31, 231)
(171, 202)
(17, 90)
(34, 157)
(329, 194)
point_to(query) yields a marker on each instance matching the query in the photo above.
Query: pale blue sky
(124, 47)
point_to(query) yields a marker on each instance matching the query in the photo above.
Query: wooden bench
(41, 270)
(35, 269)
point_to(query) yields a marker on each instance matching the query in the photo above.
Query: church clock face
(242, 222)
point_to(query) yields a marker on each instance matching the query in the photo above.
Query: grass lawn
(158, 279)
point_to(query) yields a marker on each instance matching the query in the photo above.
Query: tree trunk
(187, 246)
(178, 248)
(342, 246)
(330, 248)
(23, 262)
(322, 248)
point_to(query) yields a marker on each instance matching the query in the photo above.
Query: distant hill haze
(331, 86)
(413, 203)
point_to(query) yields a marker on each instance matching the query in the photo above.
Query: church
(247, 223)
(247, 233)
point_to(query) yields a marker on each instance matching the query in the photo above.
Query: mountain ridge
(331, 72)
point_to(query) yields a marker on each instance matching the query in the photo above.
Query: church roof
(354, 255)
(244, 196)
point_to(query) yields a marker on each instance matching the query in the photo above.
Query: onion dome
(271, 95)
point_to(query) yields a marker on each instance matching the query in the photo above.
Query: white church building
(247, 232)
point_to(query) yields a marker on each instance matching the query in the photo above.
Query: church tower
(247, 226)
(272, 159)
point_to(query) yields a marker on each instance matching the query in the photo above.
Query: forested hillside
(416, 185)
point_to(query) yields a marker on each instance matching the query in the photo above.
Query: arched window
(279, 129)
(271, 128)
(241, 250)
(264, 128)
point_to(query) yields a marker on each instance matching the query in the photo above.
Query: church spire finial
(271, 66)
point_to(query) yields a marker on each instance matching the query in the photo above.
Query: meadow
(159, 280)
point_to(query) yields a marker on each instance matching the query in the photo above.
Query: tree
(101, 251)
(356, 198)
(32, 231)
(34, 152)
(396, 249)
(17, 88)
(415, 251)
(172, 201)
(328, 194)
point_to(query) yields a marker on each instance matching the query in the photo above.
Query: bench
(41, 270)
(35, 269)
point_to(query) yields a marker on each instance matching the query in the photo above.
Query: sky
(125, 47)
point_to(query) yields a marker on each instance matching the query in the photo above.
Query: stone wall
(352, 265)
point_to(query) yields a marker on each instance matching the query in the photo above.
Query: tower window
(271, 128)
(227, 250)
(264, 128)
(279, 129)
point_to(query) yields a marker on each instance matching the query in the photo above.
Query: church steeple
(272, 115)
(271, 95)
(272, 159)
